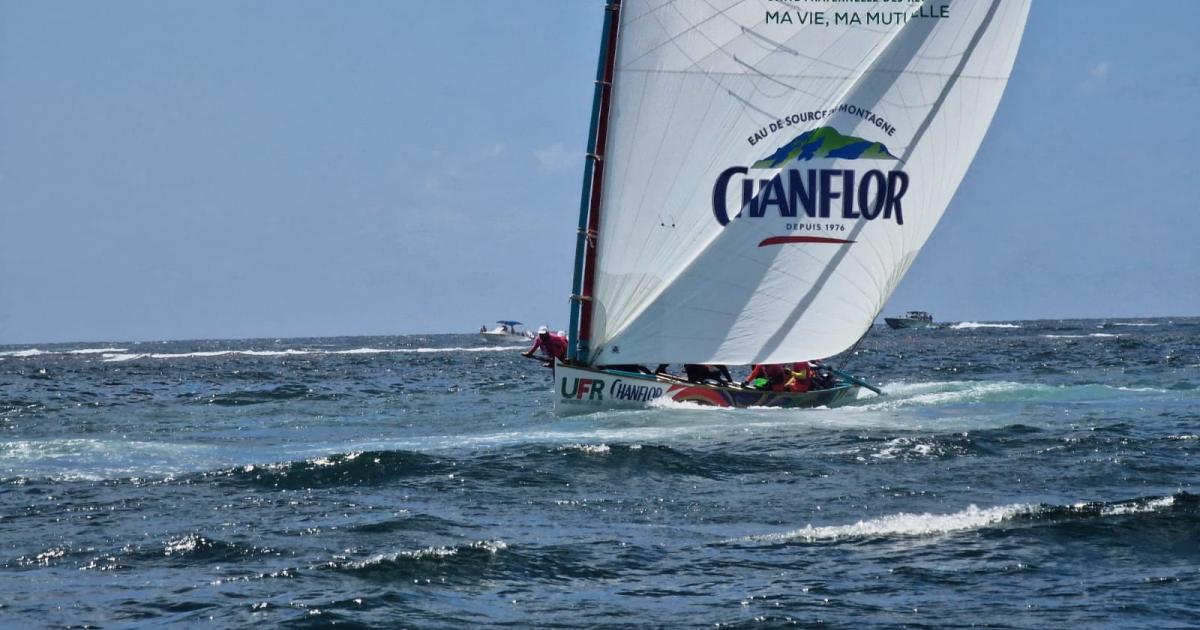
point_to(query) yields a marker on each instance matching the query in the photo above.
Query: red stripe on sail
(783, 240)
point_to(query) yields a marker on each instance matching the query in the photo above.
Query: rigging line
(753, 85)
(660, 7)
(787, 49)
(764, 75)
(672, 38)
(717, 47)
(750, 105)
(850, 353)
(723, 48)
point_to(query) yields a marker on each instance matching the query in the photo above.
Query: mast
(593, 180)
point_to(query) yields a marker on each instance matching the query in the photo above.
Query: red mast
(589, 266)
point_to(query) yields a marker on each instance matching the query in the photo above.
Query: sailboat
(760, 175)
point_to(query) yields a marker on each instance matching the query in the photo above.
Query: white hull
(584, 390)
(504, 338)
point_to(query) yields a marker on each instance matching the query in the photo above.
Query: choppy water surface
(1035, 474)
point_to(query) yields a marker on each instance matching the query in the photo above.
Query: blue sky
(270, 169)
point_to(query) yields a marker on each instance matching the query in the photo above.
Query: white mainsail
(769, 180)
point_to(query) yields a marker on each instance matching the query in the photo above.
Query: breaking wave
(907, 525)
(35, 352)
(468, 560)
(973, 325)
(254, 397)
(1094, 335)
(119, 357)
(363, 468)
(32, 352)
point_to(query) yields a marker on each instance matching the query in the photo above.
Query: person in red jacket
(801, 377)
(552, 346)
(774, 373)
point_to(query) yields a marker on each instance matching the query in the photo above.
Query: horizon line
(877, 322)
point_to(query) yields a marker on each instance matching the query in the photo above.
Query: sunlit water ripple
(1030, 474)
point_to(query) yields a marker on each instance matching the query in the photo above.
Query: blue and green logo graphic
(825, 142)
(798, 191)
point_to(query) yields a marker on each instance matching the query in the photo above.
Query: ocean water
(1027, 474)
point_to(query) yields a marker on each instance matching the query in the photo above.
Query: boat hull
(584, 390)
(498, 337)
(898, 323)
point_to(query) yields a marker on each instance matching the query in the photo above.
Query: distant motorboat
(506, 331)
(911, 319)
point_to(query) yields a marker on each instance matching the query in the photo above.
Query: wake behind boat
(754, 190)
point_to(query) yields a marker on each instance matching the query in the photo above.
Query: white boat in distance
(911, 319)
(506, 331)
(759, 180)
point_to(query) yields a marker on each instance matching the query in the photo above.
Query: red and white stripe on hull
(580, 389)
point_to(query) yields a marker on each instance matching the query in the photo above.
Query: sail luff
(600, 92)
(593, 231)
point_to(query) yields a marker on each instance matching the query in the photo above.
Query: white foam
(80, 459)
(973, 325)
(32, 352)
(1132, 324)
(1098, 335)
(902, 524)
(118, 357)
(424, 350)
(898, 447)
(665, 402)
(591, 449)
(1152, 505)
(188, 543)
(490, 546)
(902, 394)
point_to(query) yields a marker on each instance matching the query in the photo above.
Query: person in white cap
(553, 346)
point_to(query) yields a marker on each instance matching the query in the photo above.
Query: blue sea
(1034, 474)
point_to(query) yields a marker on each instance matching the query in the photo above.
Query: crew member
(699, 373)
(773, 377)
(801, 377)
(552, 346)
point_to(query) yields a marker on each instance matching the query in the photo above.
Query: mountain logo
(825, 142)
(797, 191)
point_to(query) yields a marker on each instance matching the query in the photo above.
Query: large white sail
(770, 179)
